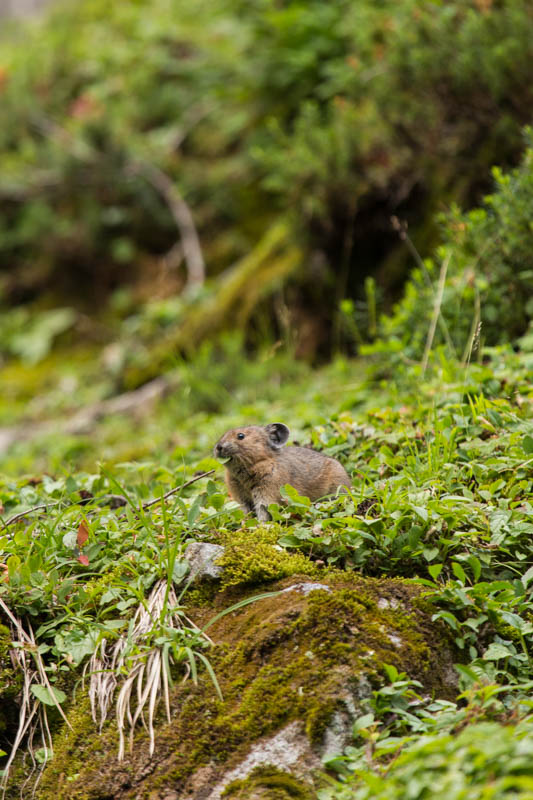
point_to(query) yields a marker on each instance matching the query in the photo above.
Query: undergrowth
(442, 486)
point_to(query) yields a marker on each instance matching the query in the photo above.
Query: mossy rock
(254, 561)
(10, 685)
(293, 669)
(267, 783)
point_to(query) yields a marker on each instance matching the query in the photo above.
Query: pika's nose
(219, 449)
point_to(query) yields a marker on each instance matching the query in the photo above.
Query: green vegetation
(486, 270)
(442, 496)
(182, 235)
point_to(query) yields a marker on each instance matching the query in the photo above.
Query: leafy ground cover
(443, 477)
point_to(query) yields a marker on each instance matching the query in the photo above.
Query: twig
(173, 491)
(118, 499)
(183, 218)
(22, 514)
(112, 497)
(436, 313)
(178, 488)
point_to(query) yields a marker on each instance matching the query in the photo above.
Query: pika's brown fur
(258, 465)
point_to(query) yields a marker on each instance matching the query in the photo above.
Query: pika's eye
(240, 436)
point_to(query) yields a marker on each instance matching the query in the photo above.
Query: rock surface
(294, 669)
(202, 558)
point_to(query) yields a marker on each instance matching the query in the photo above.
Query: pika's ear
(278, 433)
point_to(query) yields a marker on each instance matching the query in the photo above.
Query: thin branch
(23, 514)
(178, 488)
(113, 497)
(151, 503)
(117, 499)
(183, 218)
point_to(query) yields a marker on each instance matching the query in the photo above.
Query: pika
(258, 465)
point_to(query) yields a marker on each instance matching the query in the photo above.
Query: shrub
(487, 255)
(343, 113)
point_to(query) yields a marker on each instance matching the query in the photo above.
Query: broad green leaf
(527, 577)
(43, 693)
(70, 540)
(527, 444)
(496, 651)
(363, 722)
(435, 570)
(421, 512)
(194, 510)
(475, 565)
(459, 572)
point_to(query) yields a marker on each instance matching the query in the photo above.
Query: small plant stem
(474, 331)
(401, 228)
(436, 313)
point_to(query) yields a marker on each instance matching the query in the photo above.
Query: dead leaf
(83, 560)
(83, 533)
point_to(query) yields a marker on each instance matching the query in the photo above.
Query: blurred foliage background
(268, 166)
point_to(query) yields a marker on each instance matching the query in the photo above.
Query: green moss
(318, 720)
(268, 783)
(255, 558)
(286, 658)
(10, 681)
(72, 748)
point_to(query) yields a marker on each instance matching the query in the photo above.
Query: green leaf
(44, 694)
(217, 501)
(467, 672)
(527, 444)
(194, 510)
(448, 617)
(289, 493)
(211, 673)
(496, 651)
(71, 485)
(421, 512)
(435, 570)
(289, 540)
(363, 722)
(475, 565)
(42, 755)
(180, 570)
(70, 540)
(459, 572)
(527, 577)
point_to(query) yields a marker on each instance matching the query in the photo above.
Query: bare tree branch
(181, 213)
